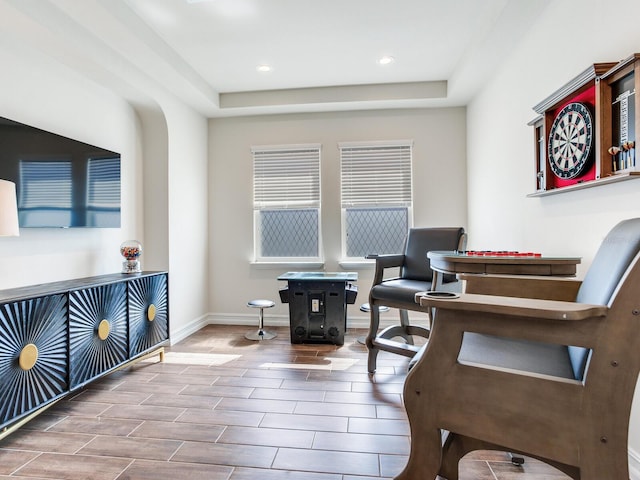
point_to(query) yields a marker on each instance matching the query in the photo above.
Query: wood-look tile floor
(224, 408)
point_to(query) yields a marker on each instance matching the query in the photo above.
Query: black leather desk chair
(399, 292)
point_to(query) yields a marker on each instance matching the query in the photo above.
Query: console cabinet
(57, 337)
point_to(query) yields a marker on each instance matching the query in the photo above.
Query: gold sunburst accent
(151, 312)
(104, 328)
(28, 356)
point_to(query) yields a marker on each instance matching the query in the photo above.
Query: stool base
(260, 335)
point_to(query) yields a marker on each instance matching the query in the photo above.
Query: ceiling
(324, 54)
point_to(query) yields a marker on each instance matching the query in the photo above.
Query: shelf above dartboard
(585, 132)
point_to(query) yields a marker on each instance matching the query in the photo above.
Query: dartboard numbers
(570, 141)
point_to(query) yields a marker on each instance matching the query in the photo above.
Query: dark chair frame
(398, 292)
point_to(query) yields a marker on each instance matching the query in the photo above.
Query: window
(286, 204)
(45, 192)
(376, 197)
(103, 192)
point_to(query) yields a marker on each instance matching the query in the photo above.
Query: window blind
(286, 177)
(103, 185)
(376, 174)
(45, 184)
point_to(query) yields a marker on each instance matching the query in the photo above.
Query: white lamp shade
(8, 209)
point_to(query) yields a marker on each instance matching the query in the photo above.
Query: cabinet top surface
(21, 293)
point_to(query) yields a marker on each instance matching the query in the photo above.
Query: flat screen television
(60, 182)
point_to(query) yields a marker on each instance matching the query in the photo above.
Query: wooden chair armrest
(520, 307)
(385, 261)
(548, 288)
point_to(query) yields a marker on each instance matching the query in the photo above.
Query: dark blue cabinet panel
(148, 313)
(33, 354)
(97, 331)
(57, 337)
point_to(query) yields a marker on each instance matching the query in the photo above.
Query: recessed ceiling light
(263, 68)
(386, 60)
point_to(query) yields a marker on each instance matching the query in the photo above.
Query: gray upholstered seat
(516, 355)
(604, 275)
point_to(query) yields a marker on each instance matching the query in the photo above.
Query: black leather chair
(399, 292)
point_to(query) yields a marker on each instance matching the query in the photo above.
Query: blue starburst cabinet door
(148, 313)
(33, 354)
(97, 331)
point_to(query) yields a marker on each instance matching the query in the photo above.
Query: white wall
(187, 218)
(439, 190)
(569, 36)
(41, 93)
(164, 182)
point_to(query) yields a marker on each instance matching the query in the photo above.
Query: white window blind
(103, 183)
(376, 174)
(376, 196)
(45, 184)
(286, 183)
(286, 177)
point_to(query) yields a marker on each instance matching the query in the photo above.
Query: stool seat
(261, 333)
(260, 304)
(365, 307)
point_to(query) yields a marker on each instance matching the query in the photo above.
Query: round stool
(261, 333)
(365, 307)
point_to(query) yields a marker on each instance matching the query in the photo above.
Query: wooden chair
(551, 379)
(399, 292)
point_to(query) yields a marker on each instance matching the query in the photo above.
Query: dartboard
(570, 141)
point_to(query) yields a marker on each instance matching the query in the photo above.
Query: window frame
(401, 198)
(264, 201)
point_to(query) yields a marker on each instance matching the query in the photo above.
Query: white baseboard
(190, 328)
(283, 320)
(634, 465)
(247, 319)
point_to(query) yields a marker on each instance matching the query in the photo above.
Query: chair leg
(374, 324)
(608, 460)
(404, 322)
(455, 447)
(425, 457)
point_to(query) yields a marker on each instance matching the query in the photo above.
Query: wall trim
(360, 321)
(190, 328)
(247, 319)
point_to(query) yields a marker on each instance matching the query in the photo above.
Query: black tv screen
(60, 182)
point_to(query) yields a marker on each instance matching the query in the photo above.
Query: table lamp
(8, 210)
